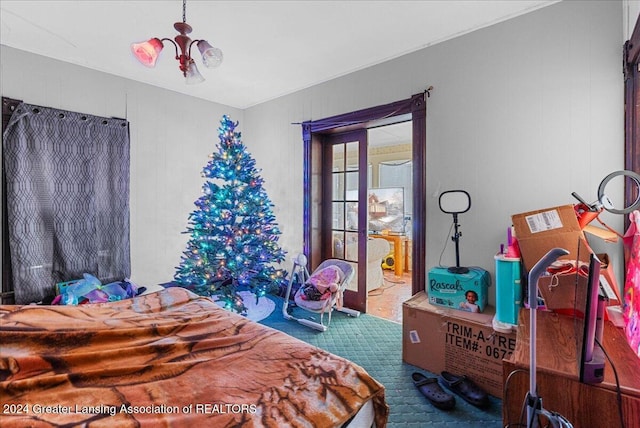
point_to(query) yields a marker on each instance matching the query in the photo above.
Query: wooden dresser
(558, 384)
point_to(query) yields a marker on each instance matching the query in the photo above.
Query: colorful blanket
(170, 358)
(631, 305)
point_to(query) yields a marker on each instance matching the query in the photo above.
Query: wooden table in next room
(398, 254)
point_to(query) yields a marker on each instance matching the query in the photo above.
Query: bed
(171, 358)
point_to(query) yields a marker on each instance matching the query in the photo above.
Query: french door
(345, 218)
(349, 132)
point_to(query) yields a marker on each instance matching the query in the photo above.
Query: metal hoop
(633, 176)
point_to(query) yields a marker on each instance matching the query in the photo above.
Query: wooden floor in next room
(386, 301)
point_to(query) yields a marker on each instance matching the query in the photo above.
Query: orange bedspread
(170, 358)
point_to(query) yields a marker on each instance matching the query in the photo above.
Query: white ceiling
(390, 135)
(271, 48)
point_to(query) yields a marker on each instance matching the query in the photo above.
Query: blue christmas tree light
(234, 234)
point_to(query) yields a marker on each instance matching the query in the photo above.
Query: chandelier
(147, 52)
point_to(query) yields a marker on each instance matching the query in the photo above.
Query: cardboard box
(608, 281)
(564, 293)
(438, 339)
(449, 289)
(568, 293)
(542, 230)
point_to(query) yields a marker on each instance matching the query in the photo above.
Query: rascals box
(450, 289)
(438, 339)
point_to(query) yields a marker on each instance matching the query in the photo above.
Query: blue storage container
(508, 289)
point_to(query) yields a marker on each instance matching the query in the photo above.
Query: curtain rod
(400, 105)
(9, 105)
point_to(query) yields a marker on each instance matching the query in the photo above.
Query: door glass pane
(338, 216)
(351, 249)
(351, 198)
(352, 156)
(338, 186)
(352, 216)
(338, 158)
(351, 179)
(338, 245)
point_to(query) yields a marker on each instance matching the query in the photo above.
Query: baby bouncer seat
(320, 292)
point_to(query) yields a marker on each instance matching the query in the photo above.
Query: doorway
(319, 136)
(390, 183)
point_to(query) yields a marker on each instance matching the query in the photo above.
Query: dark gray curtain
(67, 198)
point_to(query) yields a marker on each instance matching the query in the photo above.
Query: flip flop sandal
(431, 389)
(465, 388)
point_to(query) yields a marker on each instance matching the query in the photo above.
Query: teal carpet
(376, 345)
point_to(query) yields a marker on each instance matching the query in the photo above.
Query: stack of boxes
(438, 335)
(449, 328)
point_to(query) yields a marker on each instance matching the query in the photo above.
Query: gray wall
(522, 113)
(171, 138)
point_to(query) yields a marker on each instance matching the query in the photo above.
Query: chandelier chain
(184, 11)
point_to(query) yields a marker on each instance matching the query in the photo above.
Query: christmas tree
(234, 236)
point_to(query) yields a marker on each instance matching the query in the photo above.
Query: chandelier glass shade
(148, 52)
